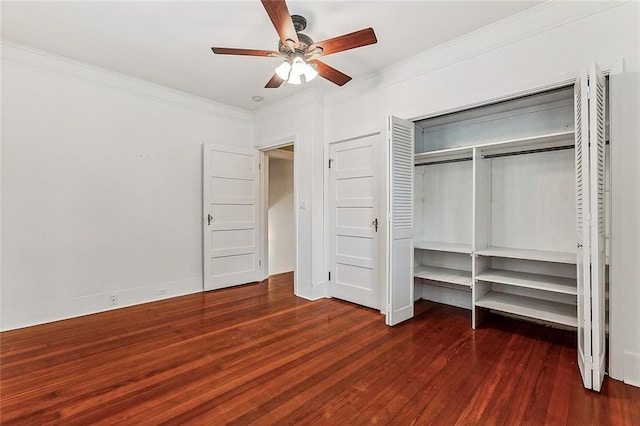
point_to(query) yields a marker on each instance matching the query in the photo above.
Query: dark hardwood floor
(256, 354)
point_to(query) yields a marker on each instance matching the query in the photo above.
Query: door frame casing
(264, 205)
(266, 156)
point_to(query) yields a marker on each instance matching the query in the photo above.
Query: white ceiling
(169, 42)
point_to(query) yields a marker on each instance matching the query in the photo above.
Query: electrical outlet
(113, 299)
(161, 291)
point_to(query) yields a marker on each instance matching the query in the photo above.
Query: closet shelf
(550, 140)
(444, 155)
(447, 275)
(545, 310)
(440, 246)
(527, 254)
(529, 280)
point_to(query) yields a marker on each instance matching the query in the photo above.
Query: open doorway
(280, 212)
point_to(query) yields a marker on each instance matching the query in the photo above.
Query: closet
(509, 212)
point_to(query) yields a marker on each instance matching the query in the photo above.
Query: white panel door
(399, 238)
(581, 105)
(354, 222)
(231, 201)
(597, 144)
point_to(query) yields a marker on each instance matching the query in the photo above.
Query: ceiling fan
(299, 50)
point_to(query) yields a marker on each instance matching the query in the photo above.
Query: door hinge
(329, 275)
(259, 166)
(259, 262)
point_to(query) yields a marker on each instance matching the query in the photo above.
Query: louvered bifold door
(583, 271)
(400, 210)
(597, 229)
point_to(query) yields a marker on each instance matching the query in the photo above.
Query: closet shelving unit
(443, 243)
(527, 278)
(472, 186)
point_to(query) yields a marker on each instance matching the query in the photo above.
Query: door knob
(209, 219)
(375, 223)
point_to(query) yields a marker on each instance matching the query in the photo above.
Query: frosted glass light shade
(294, 78)
(310, 73)
(283, 70)
(298, 66)
(293, 71)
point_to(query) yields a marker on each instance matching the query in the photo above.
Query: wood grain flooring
(256, 354)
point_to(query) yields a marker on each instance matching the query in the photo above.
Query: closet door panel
(401, 136)
(582, 214)
(597, 144)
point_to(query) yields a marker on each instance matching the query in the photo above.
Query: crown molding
(526, 24)
(60, 66)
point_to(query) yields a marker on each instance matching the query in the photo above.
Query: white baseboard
(26, 316)
(312, 292)
(321, 290)
(632, 369)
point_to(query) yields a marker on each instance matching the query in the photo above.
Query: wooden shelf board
(440, 246)
(529, 280)
(545, 310)
(527, 254)
(447, 275)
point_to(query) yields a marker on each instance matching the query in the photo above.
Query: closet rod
(529, 151)
(453, 160)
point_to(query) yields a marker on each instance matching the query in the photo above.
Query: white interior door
(583, 270)
(399, 238)
(354, 221)
(230, 216)
(597, 144)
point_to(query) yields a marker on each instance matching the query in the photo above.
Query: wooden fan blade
(247, 52)
(330, 73)
(279, 14)
(345, 42)
(274, 83)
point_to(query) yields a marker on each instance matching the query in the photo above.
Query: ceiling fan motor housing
(299, 23)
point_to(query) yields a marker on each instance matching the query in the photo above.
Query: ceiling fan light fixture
(298, 67)
(283, 70)
(294, 78)
(310, 73)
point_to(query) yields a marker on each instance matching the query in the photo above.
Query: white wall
(539, 48)
(101, 186)
(301, 120)
(281, 223)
